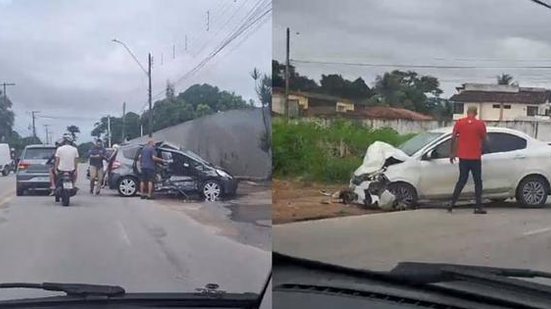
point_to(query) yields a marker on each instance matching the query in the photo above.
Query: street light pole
(287, 76)
(149, 97)
(148, 73)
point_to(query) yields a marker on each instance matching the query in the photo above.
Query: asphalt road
(139, 244)
(507, 236)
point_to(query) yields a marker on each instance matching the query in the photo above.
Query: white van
(5, 159)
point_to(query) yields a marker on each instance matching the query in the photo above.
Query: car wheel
(19, 191)
(532, 191)
(211, 190)
(6, 171)
(127, 186)
(404, 193)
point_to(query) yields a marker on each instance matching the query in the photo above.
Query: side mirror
(428, 155)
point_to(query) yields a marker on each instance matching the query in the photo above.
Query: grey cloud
(499, 33)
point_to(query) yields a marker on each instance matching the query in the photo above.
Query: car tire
(405, 193)
(211, 190)
(532, 191)
(6, 171)
(127, 186)
(19, 191)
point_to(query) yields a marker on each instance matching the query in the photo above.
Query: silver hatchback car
(33, 170)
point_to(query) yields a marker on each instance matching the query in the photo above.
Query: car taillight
(23, 165)
(116, 164)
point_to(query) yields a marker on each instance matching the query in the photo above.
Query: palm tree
(504, 79)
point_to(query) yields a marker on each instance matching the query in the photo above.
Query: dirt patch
(300, 201)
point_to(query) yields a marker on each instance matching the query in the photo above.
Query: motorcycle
(64, 188)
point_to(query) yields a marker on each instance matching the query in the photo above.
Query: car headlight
(223, 174)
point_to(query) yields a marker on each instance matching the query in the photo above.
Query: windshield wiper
(71, 289)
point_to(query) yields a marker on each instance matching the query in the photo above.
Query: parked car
(514, 165)
(6, 160)
(192, 173)
(32, 171)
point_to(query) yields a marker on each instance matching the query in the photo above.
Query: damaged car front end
(369, 186)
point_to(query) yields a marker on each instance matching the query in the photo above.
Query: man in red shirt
(469, 135)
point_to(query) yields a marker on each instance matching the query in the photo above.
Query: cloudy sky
(60, 55)
(494, 36)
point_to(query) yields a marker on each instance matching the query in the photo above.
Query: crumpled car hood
(379, 155)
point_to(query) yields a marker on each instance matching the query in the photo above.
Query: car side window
(442, 150)
(503, 142)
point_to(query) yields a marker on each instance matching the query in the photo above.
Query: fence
(540, 129)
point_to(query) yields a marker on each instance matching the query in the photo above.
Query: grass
(313, 152)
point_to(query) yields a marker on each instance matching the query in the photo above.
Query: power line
(421, 66)
(255, 16)
(542, 3)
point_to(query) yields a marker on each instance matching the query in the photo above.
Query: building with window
(502, 102)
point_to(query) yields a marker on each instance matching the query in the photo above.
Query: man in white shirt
(66, 157)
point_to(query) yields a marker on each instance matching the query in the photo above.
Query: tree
(504, 79)
(73, 130)
(264, 92)
(297, 82)
(406, 90)
(336, 85)
(84, 148)
(6, 117)
(203, 110)
(132, 124)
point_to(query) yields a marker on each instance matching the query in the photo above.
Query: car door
(182, 172)
(503, 160)
(437, 175)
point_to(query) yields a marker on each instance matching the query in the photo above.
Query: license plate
(67, 185)
(41, 179)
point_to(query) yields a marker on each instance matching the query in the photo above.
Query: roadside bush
(313, 152)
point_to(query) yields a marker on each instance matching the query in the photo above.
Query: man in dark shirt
(147, 160)
(96, 155)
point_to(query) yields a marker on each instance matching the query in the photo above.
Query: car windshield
(38, 153)
(418, 142)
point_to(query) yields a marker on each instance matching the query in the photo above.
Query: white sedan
(514, 165)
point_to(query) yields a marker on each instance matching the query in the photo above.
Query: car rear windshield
(418, 142)
(38, 153)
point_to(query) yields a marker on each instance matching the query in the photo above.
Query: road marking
(538, 231)
(124, 234)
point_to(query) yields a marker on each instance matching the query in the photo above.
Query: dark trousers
(475, 168)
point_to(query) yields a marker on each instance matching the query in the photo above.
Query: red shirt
(470, 133)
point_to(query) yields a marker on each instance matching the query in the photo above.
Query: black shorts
(148, 175)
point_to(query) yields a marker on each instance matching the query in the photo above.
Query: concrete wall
(537, 129)
(229, 139)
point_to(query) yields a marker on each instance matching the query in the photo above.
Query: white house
(502, 102)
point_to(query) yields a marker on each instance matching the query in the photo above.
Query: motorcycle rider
(66, 157)
(51, 163)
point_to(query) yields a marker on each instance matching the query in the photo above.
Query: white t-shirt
(67, 155)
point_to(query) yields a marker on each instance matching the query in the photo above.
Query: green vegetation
(401, 89)
(319, 153)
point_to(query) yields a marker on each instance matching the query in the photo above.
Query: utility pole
(47, 133)
(173, 51)
(109, 130)
(33, 113)
(287, 77)
(4, 90)
(208, 20)
(123, 121)
(185, 44)
(149, 97)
